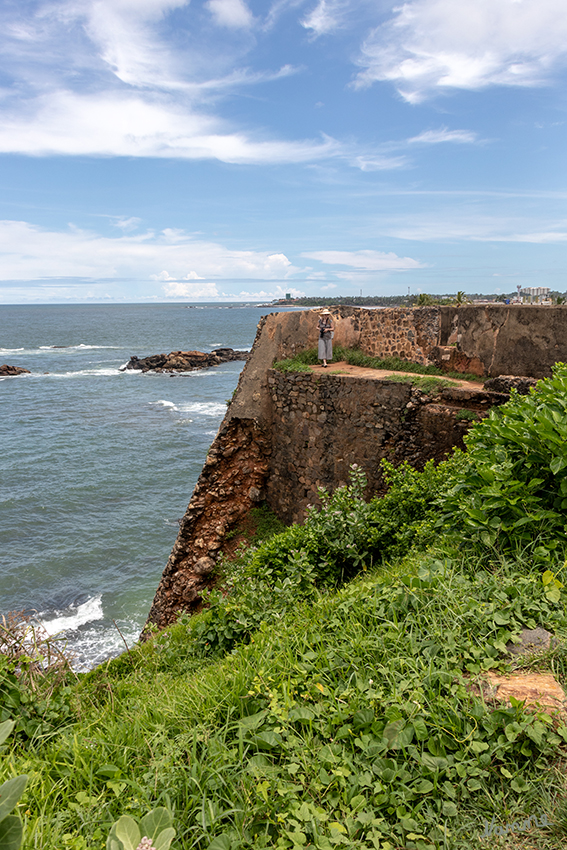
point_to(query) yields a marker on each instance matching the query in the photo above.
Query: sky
(165, 150)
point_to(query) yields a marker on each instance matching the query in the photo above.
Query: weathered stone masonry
(285, 435)
(323, 423)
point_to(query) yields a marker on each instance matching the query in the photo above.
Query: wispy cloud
(169, 257)
(117, 78)
(365, 260)
(474, 226)
(131, 125)
(428, 45)
(442, 135)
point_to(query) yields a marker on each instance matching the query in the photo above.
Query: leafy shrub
(11, 831)
(513, 486)
(344, 537)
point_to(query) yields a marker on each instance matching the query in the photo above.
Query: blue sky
(156, 150)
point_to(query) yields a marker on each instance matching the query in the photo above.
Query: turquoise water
(97, 465)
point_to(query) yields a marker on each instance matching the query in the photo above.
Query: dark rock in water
(504, 383)
(184, 361)
(10, 371)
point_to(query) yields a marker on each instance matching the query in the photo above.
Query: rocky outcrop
(184, 361)
(11, 371)
(505, 383)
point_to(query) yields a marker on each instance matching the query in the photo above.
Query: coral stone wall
(323, 423)
(285, 435)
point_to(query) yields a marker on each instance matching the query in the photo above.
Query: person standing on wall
(326, 330)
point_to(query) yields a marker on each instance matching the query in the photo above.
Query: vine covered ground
(328, 693)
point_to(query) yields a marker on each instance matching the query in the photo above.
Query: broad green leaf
(557, 464)
(164, 839)
(267, 740)
(5, 729)
(10, 793)
(433, 763)
(424, 787)
(449, 809)
(221, 842)
(128, 832)
(252, 722)
(420, 729)
(553, 594)
(154, 822)
(304, 715)
(11, 833)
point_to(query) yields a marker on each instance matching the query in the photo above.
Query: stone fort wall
(285, 435)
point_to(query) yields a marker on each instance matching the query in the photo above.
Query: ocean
(97, 465)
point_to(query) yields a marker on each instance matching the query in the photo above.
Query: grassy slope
(351, 722)
(339, 717)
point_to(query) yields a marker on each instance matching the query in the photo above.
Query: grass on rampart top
(355, 357)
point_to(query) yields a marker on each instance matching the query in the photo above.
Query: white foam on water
(81, 346)
(74, 616)
(204, 408)
(101, 641)
(81, 373)
(10, 350)
(164, 403)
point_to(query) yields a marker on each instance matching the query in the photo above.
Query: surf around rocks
(184, 361)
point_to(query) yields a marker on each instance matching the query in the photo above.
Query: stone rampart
(324, 423)
(285, 435)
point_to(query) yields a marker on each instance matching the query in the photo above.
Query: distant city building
(540, 293)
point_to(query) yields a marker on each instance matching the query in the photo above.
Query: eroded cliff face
(232, 482)
(285, 435)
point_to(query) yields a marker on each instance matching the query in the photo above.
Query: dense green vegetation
(422, 299)
(329, 694)
(436, 378)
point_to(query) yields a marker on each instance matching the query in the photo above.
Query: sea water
(97, 465)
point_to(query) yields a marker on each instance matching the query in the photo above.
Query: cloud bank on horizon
(175, 149)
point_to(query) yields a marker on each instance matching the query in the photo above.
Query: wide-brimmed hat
(325, 312)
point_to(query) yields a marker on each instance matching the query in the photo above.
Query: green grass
(355, 357)
(328, 695)
(351, 719)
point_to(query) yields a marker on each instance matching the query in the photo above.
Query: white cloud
(117, 78)
(436, 137)
(324, 18)
(130, 125)
(276, 292)
(473, 226)
(28, 252)
(365, 260)
(373, 162)
(471, 44)
(192, 291)
(231, 13)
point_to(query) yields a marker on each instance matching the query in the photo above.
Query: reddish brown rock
(11, 371)
(536, 690)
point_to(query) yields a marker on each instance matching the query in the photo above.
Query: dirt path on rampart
(342, 368)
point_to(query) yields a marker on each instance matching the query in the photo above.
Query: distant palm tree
(460, 298)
